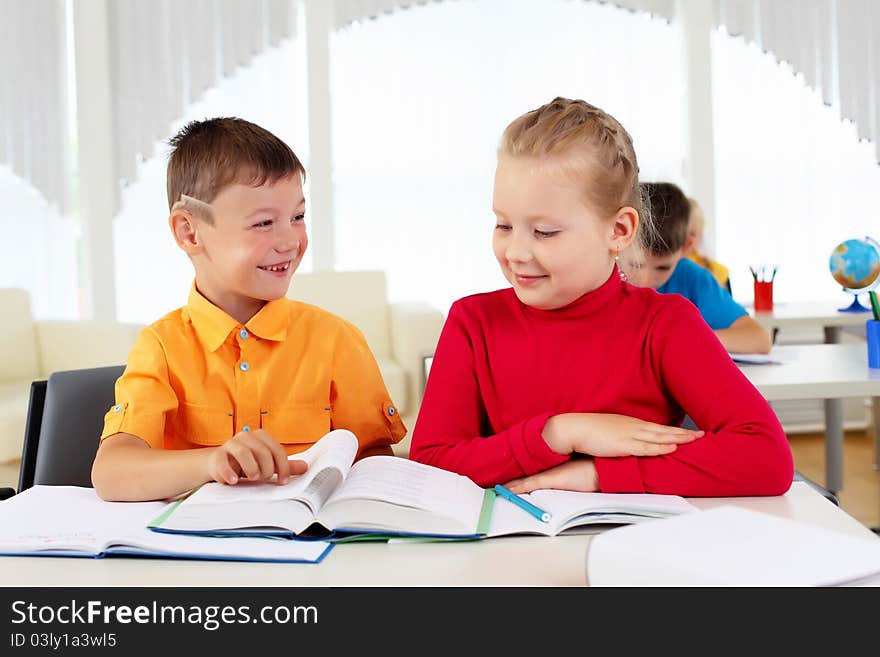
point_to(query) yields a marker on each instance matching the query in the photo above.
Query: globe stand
(855, 306)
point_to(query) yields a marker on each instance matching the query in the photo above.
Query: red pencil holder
(763, 295)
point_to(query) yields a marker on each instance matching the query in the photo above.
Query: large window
(41, 249)
(42, 242)
(792, 180)
(420, 98)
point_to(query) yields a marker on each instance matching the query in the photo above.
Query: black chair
(64, 422)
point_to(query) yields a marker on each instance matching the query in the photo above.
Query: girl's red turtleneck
(502, 369)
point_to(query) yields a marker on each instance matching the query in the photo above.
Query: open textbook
(73, 521)
(387, 496)
(571, 511)
(730, 546)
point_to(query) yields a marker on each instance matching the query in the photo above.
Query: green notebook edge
(162, 517)
(485, 520)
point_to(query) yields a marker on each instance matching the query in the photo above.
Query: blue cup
(872, 333)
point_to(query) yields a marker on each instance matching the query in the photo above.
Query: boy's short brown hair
(208, 155)
(670, 211)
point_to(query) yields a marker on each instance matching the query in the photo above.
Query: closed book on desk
(729, 546)
(384, 496)
(71, 521)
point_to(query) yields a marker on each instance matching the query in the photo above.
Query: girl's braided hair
(591, 146)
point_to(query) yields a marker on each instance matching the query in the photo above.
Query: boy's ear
(689, 244)
(184, 228)
(623, 229)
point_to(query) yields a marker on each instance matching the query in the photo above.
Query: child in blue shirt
(660, 264)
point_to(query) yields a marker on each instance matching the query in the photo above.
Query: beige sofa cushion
(18, 350)
(395, 381)
(71, 345)
(13, 414)
(358, 296)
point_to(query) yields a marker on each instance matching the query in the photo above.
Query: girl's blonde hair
(590, 146)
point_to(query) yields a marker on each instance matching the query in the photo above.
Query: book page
(573, 509)
(401, 495)
(67, 518)
(729, 546)
(233, 548)
(329, 461)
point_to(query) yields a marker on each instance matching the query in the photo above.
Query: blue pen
(528, 507)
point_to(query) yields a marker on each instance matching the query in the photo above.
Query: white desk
(819, 371)
(819, 314)
(509, 561)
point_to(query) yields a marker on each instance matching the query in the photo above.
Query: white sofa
(401, 335)
(34, 349)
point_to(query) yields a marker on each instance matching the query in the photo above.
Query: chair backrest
(33, 422)
(67, 433)
(357, 296)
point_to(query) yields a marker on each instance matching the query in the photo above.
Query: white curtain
(33, 96)
(171, 52)
(346, 12)
(349, 11)
(835, 44)
(660, 8)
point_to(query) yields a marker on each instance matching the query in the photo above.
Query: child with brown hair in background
(659, 263)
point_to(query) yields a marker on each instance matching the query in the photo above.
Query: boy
(662, 266)
(229, 385)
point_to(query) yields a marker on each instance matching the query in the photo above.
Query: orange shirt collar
(214, 325)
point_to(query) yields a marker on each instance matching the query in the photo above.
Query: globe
(855, 264)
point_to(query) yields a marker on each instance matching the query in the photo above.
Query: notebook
(72, 521)
(729, 546)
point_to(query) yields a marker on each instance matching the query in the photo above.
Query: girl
(573, 378)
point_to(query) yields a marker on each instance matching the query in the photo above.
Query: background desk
(509, 561)
(819, 371)
(824, 315)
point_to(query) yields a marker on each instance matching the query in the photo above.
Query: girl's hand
(577, 474)
(252, 454)
(604, 434)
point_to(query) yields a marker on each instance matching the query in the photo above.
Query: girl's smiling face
(552, 247)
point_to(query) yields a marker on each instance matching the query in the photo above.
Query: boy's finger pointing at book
(297, 467)
(278, 457)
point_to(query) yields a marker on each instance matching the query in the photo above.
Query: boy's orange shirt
(197, 377)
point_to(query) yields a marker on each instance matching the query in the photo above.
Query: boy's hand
(577, 474)
(252, 454)
(604, 434)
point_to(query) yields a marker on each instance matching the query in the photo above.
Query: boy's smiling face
(551, 246)
(249, 253)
